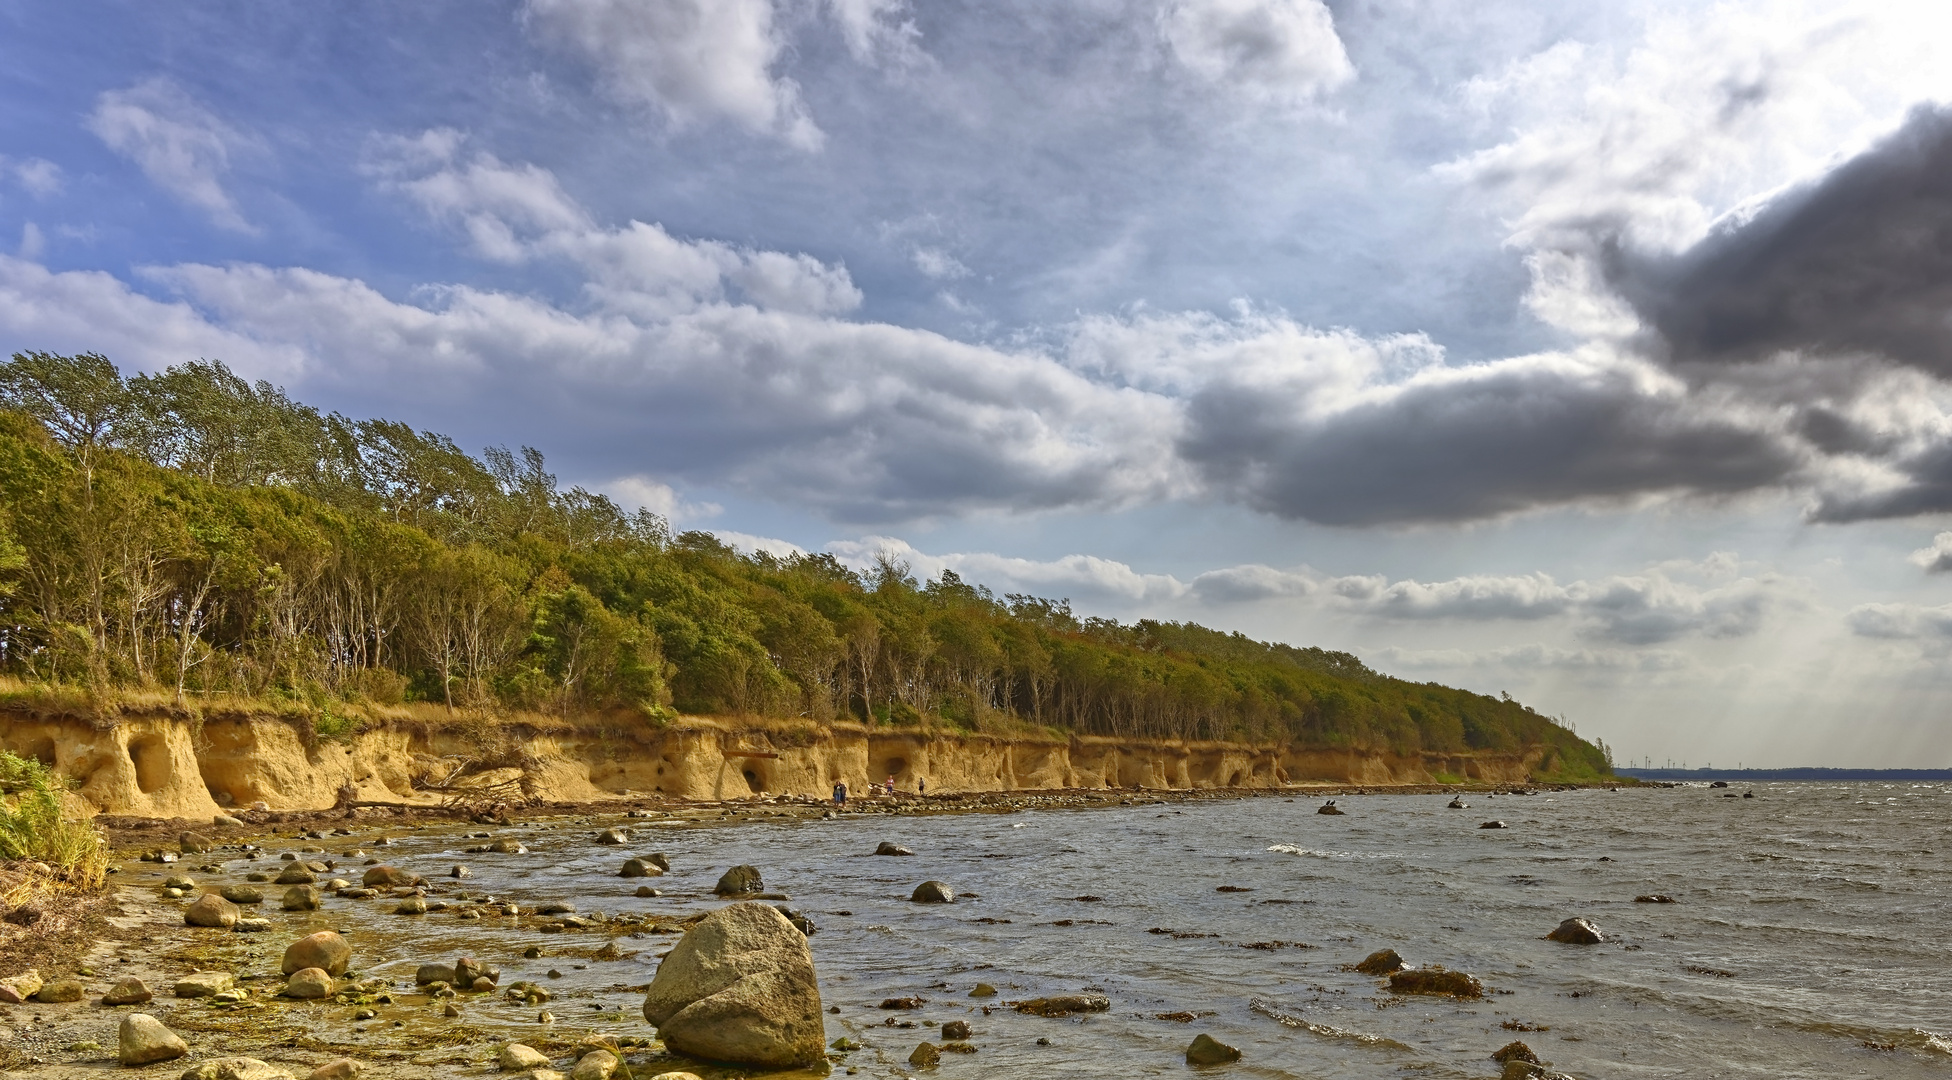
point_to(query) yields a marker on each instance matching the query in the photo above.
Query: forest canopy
(194, 532)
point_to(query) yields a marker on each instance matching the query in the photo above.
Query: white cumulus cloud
(178, 144)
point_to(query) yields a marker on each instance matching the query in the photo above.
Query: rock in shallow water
(308, 983)
(740, 881)
(1435, 980)
(886, 848)
(203, 984)
(740, 987)
(242, 894)
(130, 991)
(1064, 1005)
(143, 1040)
(1207, 1050)
(1576, 932)
(515, 1057)
(1381, 962)
(925, 1054)
(933, 892)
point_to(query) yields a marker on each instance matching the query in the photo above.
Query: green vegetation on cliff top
(192, 533)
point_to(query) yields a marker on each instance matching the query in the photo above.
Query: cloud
(38, 176)
(1936, 559)
(642, 492)
(1901, 622)
(877, 29)
(1535, 657)
(1282, 51)
(692, 61)
(1071, 575)
(178, 144)
(748, 543)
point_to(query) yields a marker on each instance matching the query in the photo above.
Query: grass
(32, 828)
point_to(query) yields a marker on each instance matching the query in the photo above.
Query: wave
(1290, 849)
(1325, 1031)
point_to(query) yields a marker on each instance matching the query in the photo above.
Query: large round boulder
(933, 892)
(389, 877)
(1576, 932)
(325, 950)
(740, 987)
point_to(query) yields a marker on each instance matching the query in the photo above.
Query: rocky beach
(1604, 932)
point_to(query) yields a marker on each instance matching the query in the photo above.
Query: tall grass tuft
(33, 830)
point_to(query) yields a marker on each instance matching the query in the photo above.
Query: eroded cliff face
(172, 767)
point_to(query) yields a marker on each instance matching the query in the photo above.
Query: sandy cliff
(167, 766)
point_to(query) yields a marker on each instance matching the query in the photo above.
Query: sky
(1599, 354)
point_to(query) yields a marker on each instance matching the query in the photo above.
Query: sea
(1810, 933)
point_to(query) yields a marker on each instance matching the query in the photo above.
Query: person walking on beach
(921, 785)
(840, 794)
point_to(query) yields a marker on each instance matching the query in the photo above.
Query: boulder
(1329, 808)
(221, 820)
(641, 868)
(508, 847)
(129, 991)
(18, 989)
(458, 871)
(1514, 1051)
(740, 987)
(1494, 825)
(295, 874)
(933, 892)
(646, 890)
(342, 1069)
(412, 905)
(1207, 1050)
(1435, 980)
(886, 848)
(301, 898)
(955, 1030)
(387, 877)
(660, 860)
(1064, 1005)
(740, 881)
(211, 910)
(925, 1054)
(242, 894)
(1381, 962)
(192, 844)
(143, 1040)
(1655, 898)
(983, 990)
(433, 973)
(60, 992)
(613, 836)
(179, 881)
(595, 1065)
(1576, 932)
(236, 1068)
(325, 949)
(515, 1057)
(1457, 803)
(203, 984)
(308, 983)
(252, 926)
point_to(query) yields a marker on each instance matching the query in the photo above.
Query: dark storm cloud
(1858, 262)
(1480, 443)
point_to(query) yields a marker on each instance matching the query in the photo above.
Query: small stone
(557, 907)
(308, 983)
(595, 1065)
(295, 874)
(956, 1029)
(545, 1017)
(1576, 932)
(388, 877)
(252, 926)
(179, 881)
(1207, 1050)
(508, 847)
(236, 1068)
(983, 990)
(325, 949)
(301, 898)
(203, 984)
(886, 848)
(458, 871)
(613, 836)
(1655, 898)
(515, 1057)
(925, 1054)
(143, 1040)
(660, 860)
(1514, 1051)
(450, 1011)
(211, 911)
(223, 820)
(192, 844)
(1494, 825)
(342, 1069)
(242, 894)
(933, 892)
(412, 905)
(433, 973)
(646, 890)
(129, 991)
(640, 868)
(59, 992)
(18, 989)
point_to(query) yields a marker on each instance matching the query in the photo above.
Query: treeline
(193, 532)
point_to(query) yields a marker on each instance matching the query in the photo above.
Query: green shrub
(32, 828)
